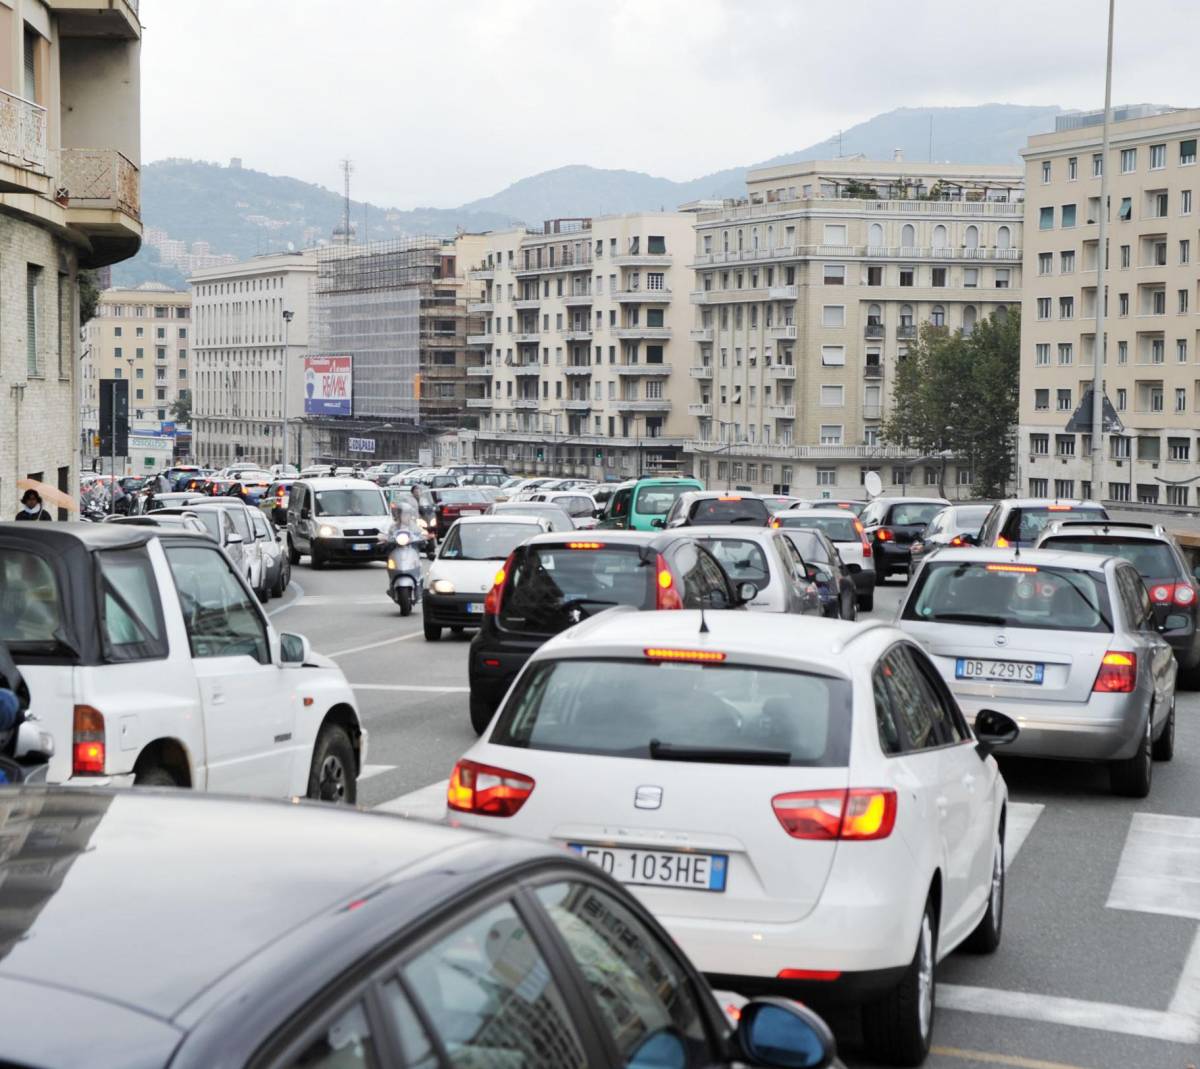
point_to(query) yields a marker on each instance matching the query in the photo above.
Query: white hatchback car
(800, 802)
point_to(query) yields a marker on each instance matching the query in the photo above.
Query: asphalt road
(1100, 964)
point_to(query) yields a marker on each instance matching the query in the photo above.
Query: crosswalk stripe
(368, 771)
(1159, 871)
(428, 802)
(1022, 816)
(449, 689)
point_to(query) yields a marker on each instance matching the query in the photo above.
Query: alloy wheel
(925, 976)
(333, 779)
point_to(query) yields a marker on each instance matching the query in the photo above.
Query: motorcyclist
(14, 700)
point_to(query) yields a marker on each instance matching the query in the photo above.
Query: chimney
(898, 155)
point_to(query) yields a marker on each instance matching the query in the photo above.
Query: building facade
(241, 339)
(69, 200)
(579, 345)
(809, 291)
(1152, 357)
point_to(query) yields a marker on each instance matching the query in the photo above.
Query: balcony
(480, 307)
(483, 371)
(660, 404)
(874, 331)
(525, 402)
(22, 146)
(642, 369)
(702, 371)
(104, 202)
(872, 410)
(783, 293)
(577, 369)
(642, 296)
(704, 411)
(872, 371)
(527, 369)
(782, 371)
(531, 337)
(479, 341)
(779, 411)
(705, 334)
(786, 332)
(648, 333)
(570, 262)
(803, 452)
(526, 303)
(573, 300)
(479, 402)
(87, 18)
(906, 330)
(642, 259)
(481, 274)
(577, 404)
(577, 334)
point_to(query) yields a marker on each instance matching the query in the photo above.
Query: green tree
(89, 296)
(181, 408)
(860, 190)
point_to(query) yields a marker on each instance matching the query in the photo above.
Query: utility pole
(287, 322)
(1101, 263)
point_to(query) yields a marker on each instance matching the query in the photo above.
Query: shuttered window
(31, 47)
(33, 286)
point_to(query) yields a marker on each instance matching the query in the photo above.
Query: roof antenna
(703, 621)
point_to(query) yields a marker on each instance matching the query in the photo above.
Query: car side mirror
(294, 650)
(658, 521)
(993, 730)
(970, 539)
(746, 592)
(778, 1032)
(234, 538)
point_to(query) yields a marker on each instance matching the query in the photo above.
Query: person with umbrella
(32, 508)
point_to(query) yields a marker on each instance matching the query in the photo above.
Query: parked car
(766, 559)
(277, 569)
(846, 532)
(151, 663)
(229, 525)
(891, 524)
(637, 504)
(555, 516)
(575, 503)
(337, 520)
(552, 581)
(842, 855)
(1019, 521)
(695, 508)
(953, 528)
(825, 568)
(1065, 643)
(275, 501)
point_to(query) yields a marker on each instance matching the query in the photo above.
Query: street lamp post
(1098, 349)
(287, 322)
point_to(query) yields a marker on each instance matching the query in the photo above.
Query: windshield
(757, 715)
(657, 500)
(730, 510)
(778, 504)
(485, 541)
(743, 560)
(1025, 524)
(967, 521)
(1010, 595)
(559, 520)
(1153, 560)
(30, 614)
(914, 515)
(552, 587)
(835, 527)
(575, 505)
(809, 546)
(461, 496)
(211, 521)
(350, 503)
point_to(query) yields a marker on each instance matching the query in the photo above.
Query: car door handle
(218, 696)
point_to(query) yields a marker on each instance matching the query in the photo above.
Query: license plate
(361, 547)
(475, 608)
(999, 671)
(659, 868)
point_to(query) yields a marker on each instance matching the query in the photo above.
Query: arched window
(1003, 238)
(739, 236)
(908, 236)
(1001, 312)
(754, 238)
(906, 315)
(972, 237)
(770, 237)
(970, 318)
(724, 240)
(940, 238)
(938, 316)
(874, 315)
(875, 238)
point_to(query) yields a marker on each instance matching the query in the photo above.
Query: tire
(898, 1028)
(866, 602)
(1163, 748)
(481, 712)
(292, 552)
(849, 608)
(331, 777)
(285, 577)
(433, 633)
(156, 776)
(985, 939)
(404, 600)
(881, 576)
(316, 559)
(1131, 778)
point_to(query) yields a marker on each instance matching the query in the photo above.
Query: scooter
(404, 568)
(31, 749)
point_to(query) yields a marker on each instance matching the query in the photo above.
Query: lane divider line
(406, 686)
(376, 645)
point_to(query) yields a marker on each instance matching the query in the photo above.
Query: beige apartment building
(1152, 356)
(70, 127)
(579, 345)
(808, 292)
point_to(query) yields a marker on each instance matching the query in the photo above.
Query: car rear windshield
(913, 515)
(485, 541)
(967, 521)
(684, 712)
(211, 521)
(1010, 595)
(1025, 524)
(743, 560)
(350, 503)
(462, 495)
(657, 500)
(559, 520)
(30, 610)
(835, 527)
(1153, 560)
(554, 586)
(730, 510)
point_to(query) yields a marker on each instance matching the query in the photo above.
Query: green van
(635, 505)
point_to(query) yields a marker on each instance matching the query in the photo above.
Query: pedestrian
(32, 508)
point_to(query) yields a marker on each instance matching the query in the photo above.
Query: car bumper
(1185, 644)
(490, 682)
(115, 780)
(1107, 728)
(864, 580)
(450, 610)
(344, 548)
(891, 555)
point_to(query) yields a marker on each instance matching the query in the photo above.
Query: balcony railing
(577, 369)
(527, 337)
(906, 330)
(851, 206)
(642, 369)
(526, 302)
(660, 404)
(577, 404)
(782, 371)
(702, 371)
(578, 298)
(895, 252)
(704, 334)
(479, 307)
(872, 371)
(101, 178)
(803, 452)
(479, 402)
(704, 411)
(658, 296)
(649, 333)
(784, 332)
(577, 334)
(570, 262)
(482, 370)
(479, 341)
(482, 273)
(527, 369)
(22, 132)
(779, 411)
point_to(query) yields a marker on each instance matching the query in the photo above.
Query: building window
(1039, 444)
(1177, 495)
(832, 315)
(1157, 350)
(938, 277)
(1038, 488)
(1043, 307)
(832, 396)
(1045, 263)
(1185, 202)
(1064, 400)
(1187, 152)
(827, 476)
(1072, 168)
(1118, 491)
(1160, 205)
(1181, 350)
(1122, 399)
(970, 277)
(1046, 218)
(908, 276)
(1068, 215)
(33, 317)
(1122, 304)
(833, 355)
(1147, 493)
(831, 434)
(1042, 354)
(1064, 488)
(1180, 400)
(835, 275)
(1097, 165)
(1128, 160)
(874, 276)
(1183, 302)
(1066, 354)
(1126, 255)
(1158, 157)
(1045, 172)
(1125, 212)
(1064, 445)
(1066, 308)
(1185, 251)
(1067, 261)
(1041, 400)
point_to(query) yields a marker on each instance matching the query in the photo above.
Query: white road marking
(405, 686)
(293, 588)
(428, 803)
(375, 645)
(373, 770)
(1160, 867)
(334, 599)
(1022, 816)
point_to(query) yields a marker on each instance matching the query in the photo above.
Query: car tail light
(776, 524)
(809, 974)
(859, 814)
(957, 540)
(866, 542)
(1002, 542)
(87, 742)
(1025, 569)
(665, 594)
(692, 656)
(884, 535)
(487, 790)
(491, 604)
(1167, 593)
(1118, 673)
(585, 545)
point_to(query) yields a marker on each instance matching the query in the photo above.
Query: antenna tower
(347, 170)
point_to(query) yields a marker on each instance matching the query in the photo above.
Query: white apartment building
(579, 346)
(238, 353)
(1152, 283)
(810, 290)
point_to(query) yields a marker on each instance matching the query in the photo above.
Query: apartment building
(69, 200)
(579, 344)
(809, 291)
(241, 340)
(1152, 357)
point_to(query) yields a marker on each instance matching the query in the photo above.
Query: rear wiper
(1088, 602)
(578, 603)
(969, 618)
(668, 751)
(745, 519)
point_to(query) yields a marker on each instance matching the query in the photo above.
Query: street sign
(114, 417)
(362, 445)
(1081, 421)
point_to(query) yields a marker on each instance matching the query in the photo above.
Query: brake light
(585, 545)
(1178, 593)
(862, 533)
(491, 604)
(860, 814)
(957, 541)
(808, 974)
(1185, 594)
(729, 498)
(884, 535)
(1028, 569)
(1118, 673)
(487, 790)
(87, 740)
(665, 594)
(1059, 508)
(693, 656)
(776, 523)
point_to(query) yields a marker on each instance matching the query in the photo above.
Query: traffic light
(541, 454)
(599, 456)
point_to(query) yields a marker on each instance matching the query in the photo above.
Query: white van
(337, 519)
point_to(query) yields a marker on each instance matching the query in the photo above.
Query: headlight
(401, 538)
(325, 531)
(442, 586)
(424, 525)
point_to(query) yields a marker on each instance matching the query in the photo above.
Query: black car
(275, 502)
(891, 524)
(554, 581)
(700, 508)
(834, 581)
(955, 527)
(151, 929)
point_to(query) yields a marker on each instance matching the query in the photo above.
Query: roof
(332, 482)
(752, 533)
(64, 537)
(98, 884)
(1147, 532)
(895, 499)
(609, 538)
(1043, 558)
(519, 517)
(1046, 502)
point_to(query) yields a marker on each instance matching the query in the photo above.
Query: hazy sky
(441, 102)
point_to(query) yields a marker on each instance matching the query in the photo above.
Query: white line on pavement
(1159, 870)
(373, 770)
(334, 599)
(429, 802)
(375, 645)
(405, 686)
(293, 587)
(1022, 816)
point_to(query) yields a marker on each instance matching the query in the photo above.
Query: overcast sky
(441, 102)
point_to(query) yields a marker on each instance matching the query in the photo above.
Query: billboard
(327, 386)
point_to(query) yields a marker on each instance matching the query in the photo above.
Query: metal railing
(101, 178)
